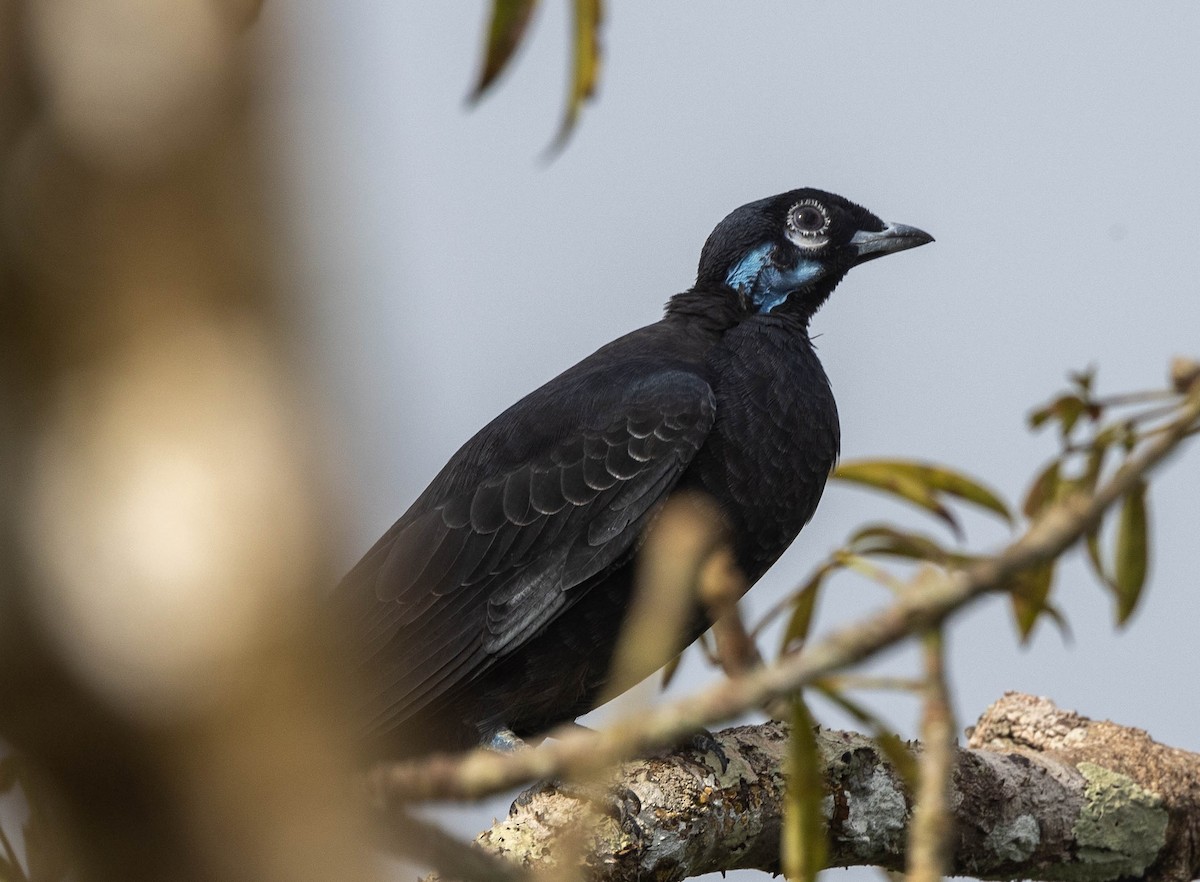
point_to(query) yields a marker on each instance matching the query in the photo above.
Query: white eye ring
(802, 227)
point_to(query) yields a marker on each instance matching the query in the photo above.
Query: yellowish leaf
(1029, 591)
(804, 607)
(879, 476)
(510, 20)
(1043, 490)
(1132, 552)
(585, 66)
(880, 539)
(803, 843)
(922, 484)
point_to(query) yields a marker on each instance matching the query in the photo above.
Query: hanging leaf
(1132, 553)
(1029, 591)
(510, 20)
(803, 844)
(1043, 491)
(585, 67)
(922, 484)
(804, 606)
(880, 539)
(1096, 559)
(879, 477)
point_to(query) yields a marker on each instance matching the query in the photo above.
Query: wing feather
(479, 566)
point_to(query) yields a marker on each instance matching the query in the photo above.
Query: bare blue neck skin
(765, 285)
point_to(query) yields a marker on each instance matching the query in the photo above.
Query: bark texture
(1040, 793)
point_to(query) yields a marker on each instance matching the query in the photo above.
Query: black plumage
(495, 602)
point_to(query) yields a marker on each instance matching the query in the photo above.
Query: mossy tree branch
(1039, 793)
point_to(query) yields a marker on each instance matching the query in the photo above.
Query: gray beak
(889, 240)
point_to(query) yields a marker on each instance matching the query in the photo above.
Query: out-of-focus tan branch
(931, 834)
(162, 662)
(924, 606)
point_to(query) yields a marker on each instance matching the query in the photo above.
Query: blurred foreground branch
(163, 672)
(1041, 793)
(926, 603)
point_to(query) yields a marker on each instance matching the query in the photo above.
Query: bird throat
(764, 283)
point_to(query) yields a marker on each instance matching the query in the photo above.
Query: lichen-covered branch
(1041, 793)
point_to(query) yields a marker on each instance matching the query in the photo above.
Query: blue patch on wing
(766, 285)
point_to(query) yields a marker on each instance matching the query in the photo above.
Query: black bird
(492, 607)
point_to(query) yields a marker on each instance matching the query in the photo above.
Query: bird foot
(705, 741)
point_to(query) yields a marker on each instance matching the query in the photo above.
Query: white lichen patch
(876, 812)
(1016, 840)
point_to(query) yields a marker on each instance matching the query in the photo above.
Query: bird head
(785, 254)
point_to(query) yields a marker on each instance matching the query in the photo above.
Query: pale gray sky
(1051, 149)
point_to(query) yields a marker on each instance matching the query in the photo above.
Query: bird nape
(493, 606)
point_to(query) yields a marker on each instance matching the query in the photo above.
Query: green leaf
(510, 20)
(880, 539)
(921, 484)
(804, 606)
(1067, 409)
(1096, 559)
(585, 67)
(1132, 552)
(803, 843)
(878, 477)
(1043, 491)
(1029, 591)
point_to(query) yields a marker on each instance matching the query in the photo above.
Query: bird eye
(809, 220)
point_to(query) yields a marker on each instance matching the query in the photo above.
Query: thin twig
(1125, 399)
(722, 584)
(480, 773)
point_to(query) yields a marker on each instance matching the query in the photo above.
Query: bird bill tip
(869, 245)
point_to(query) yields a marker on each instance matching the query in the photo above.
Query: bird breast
(775, 440)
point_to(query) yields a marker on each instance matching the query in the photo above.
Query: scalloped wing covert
(466, 581)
